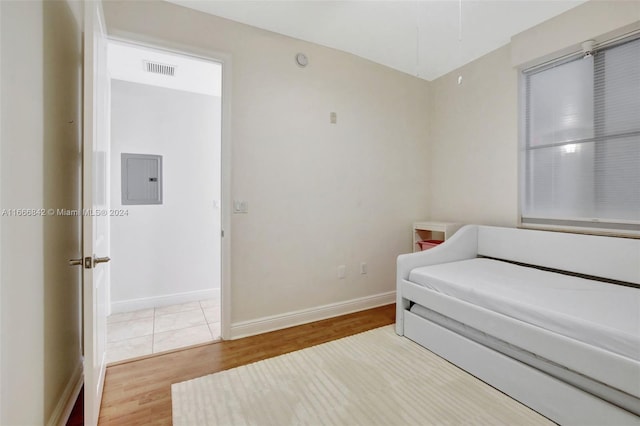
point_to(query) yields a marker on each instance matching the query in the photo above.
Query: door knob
(97, 260)
(87, 261)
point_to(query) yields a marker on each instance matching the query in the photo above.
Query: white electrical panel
(141, 179)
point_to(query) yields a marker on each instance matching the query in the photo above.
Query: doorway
(165, 189)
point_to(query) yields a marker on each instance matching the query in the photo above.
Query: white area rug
(372, 378)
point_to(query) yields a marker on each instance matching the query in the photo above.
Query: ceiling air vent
(158, 68)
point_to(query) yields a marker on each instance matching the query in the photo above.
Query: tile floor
(149, 331)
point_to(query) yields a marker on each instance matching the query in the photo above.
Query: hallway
(155, 330)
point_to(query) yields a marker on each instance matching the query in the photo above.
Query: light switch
(333, 118)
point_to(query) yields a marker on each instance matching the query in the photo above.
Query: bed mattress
(604, 315)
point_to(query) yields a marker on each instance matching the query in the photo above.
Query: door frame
(225, 153)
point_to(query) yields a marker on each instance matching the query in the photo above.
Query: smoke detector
(158, 68)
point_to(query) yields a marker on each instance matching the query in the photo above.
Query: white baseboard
(67, 400)
(289, 319)
(166, 300)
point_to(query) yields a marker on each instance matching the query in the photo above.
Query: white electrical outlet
(363, 268)
(342, 271)
(240, 206)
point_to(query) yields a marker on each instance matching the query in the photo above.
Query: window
(581, 141)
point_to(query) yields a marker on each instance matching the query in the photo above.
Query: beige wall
(599, 20)
(473, 138)
(40, 86)
(320, 195)
(61, 184)
(474, 133)
(22, 281)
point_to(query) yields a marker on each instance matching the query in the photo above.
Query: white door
(95, 225)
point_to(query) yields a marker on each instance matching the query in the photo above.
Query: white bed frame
(616, 259)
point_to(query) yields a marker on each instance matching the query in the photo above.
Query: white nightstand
(433, 231)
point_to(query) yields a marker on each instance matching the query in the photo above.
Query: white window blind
(581, 160)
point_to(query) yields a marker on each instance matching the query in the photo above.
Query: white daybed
(551, 319)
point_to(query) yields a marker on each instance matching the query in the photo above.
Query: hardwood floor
(139, 392)
(77, 414)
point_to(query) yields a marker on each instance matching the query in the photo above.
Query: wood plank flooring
(139, 392)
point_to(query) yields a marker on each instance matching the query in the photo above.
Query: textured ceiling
(422, 38)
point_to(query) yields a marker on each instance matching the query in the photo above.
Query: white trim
(290, 319)
(225, 246)
(2, 344)
(609, 232)
(63, 409)
(157, 301)
(225, 212)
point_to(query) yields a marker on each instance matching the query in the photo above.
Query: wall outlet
(363, 268)
(240, 206)
(342, 271)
